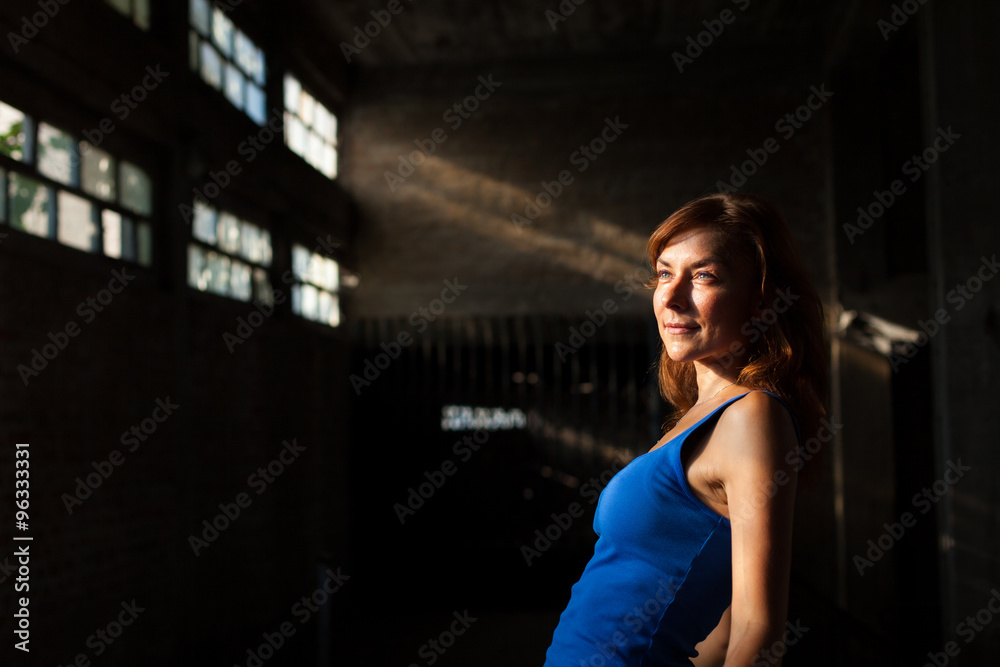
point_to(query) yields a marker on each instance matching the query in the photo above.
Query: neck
(713, 380)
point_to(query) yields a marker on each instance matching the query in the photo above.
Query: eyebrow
(700, 263)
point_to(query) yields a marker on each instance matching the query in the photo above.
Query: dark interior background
(569, 404)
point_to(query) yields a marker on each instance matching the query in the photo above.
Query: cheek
(710, 306)
(721, 315)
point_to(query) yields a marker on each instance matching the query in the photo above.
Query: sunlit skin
(701, 301)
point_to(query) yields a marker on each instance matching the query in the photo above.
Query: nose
(673, 295)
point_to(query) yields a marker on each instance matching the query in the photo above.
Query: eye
(705, 275)
(663, 274)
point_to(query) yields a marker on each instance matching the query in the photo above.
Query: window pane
(211, 65)
(137, 190)
(29, 205)
(229, 232)
(295, 135)
(324, 307)
(204, 223)
(321, 271)
(292, 92)
(259, 66)
(244, 52)
(240, 285)
(307, 108)
(329, 273)
(218, 273)
(222, 32)
(14, 130)
(248, 57)
(199, 15)
(255, 104)
(76, 222)
(235, 83)
(141, 16)
(329, 166)
(314, 154)
(321, 121)
(97, 172)
(265, 247)
(197, 268)
(111, 223)
(144, 243)
(55, 153)
(310, 302)
(300, 262)
(329, 309)
(255, 244)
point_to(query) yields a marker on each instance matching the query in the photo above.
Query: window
(61, 188)
(138, 10)
(234, 263)
(310, 128)
(314, 295)
(227, 59)
(15, 133)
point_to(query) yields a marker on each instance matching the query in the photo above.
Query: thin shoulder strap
(725, 404)
(795, 422)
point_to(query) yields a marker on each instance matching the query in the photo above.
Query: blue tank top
(661, 574)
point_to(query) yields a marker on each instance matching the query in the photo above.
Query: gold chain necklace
(714, 395)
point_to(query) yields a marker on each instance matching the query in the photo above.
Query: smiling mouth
(679, 328)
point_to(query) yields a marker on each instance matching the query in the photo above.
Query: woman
(692, 562)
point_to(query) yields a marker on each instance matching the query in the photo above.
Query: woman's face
(703, 299)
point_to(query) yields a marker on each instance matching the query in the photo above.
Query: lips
(679, 327)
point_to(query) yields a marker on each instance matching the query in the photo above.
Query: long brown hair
(789, 356)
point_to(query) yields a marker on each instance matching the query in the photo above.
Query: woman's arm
(712, 649)
(756, 435)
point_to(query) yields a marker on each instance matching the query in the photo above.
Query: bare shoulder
(757, 425)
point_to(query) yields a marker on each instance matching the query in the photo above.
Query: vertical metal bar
(939, 351)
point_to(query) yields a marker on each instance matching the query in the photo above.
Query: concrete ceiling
(451, 31)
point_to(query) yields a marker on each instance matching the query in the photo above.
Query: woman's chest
(699, 462)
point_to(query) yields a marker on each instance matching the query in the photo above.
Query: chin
(683, 356)
(687, 356)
